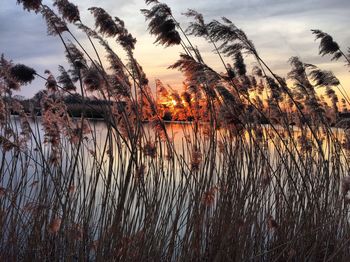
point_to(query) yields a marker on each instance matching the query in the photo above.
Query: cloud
(278, 28)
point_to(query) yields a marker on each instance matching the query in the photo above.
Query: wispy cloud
(279, 29)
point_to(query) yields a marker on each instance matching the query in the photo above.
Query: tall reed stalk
(259, 173)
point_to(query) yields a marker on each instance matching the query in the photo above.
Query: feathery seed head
(161, 24)
(104, 22)
(198, 27)
(55, 25)
(29, 5)
(92, 79)
(327, 44)
(22, 73)
(69, 11)
(65, 80)
(51, 83)
(322, 78)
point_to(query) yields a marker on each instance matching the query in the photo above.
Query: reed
(259, 173)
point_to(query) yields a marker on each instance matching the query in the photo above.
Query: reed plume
(68, 10)
(65, 80)
(104, 22)
(298, 75)
(327, 45)
(239, 168)
(55, 25)
(93, 80)
(198, 27)
(22, 73)
(77, 61)
(239, 64)
(7, 81)
(30, 5)
(195, 72)
(322, 78)
(161, 24)
(233, 39)
(125, 39)
(51, 83)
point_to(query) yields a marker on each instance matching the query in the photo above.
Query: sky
(278, 28)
